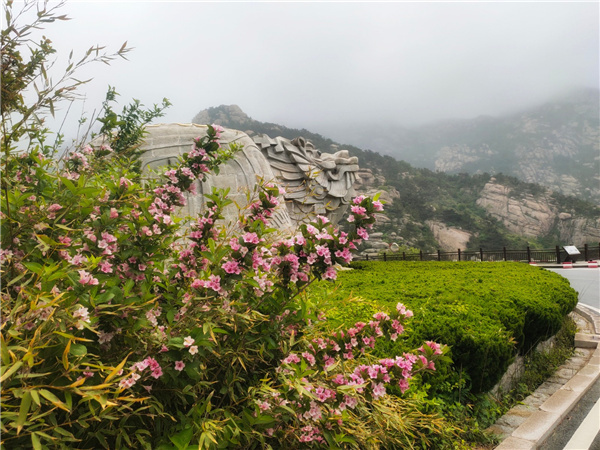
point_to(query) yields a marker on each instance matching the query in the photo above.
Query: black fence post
(384, 256)
(459, 254)
(404, 256)
(480, 254)
(528, 254)
(504, 253)
(585, 252)
(439, 255)
(557, 254)
(367, 256)
(421, 255)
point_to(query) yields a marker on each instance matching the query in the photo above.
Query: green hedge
(487, 312)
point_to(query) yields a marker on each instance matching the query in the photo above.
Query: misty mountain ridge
(428, 209)
(556, 144)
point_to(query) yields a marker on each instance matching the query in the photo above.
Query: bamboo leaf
(4, 355)
(23, 410)
(53, 399)
(116, 370)
(35, 397)
(35, 442)
(16, 366)
(65, 356)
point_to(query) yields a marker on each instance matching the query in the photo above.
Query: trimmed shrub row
(487, 312)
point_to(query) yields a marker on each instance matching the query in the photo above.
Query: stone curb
(590, 315)
(536, 429)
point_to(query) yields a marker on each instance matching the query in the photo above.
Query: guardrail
(556, 255)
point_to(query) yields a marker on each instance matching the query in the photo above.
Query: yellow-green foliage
(487, 312)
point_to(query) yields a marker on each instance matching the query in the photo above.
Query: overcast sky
(315, 65)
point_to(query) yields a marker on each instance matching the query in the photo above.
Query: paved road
(586, 282)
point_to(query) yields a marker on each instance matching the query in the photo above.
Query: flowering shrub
(124, 325)
(124, 308)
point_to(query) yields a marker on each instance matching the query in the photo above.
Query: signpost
(572, 253)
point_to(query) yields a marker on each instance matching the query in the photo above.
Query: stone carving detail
(164, 143)
(315, 182)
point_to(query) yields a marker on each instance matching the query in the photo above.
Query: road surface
(586, 282)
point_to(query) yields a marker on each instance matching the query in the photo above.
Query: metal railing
(556, 255)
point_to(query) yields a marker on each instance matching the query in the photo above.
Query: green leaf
(78, 349)
(35, 397)
(10, 371)
(35, 442)
(182, 439)
(23, 410)
(53, 399)
(34, 267)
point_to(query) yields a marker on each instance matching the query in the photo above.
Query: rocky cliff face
(536, 216)
(449, 238)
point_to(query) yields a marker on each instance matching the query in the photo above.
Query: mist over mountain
(430, 209)
(555, 144)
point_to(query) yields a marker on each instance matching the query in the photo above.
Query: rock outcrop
(537, 216)
(526, 216)
(449, 238)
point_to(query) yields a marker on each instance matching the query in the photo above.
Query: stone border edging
(536, 429)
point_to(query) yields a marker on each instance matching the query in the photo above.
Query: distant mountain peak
(221, 115)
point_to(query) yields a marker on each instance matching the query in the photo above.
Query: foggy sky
(319, 65)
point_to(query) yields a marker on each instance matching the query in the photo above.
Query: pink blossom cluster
(204, 155)
(330, 395)
(139, 368)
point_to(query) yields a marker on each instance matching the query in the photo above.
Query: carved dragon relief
(315, 182)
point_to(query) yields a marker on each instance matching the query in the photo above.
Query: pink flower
(250, 238)
(378, 390)
(310, 358)
(403, 385)
(402, 310)
(330, 273)
(232, 267)
(358, 210)
(362, 233)
(105, 267)
(87, 278)
(381, 316)
(193, 349)
(113, 213)
(179, 365)
(263, 406)
(83, 315)
(54, 207)
(292, 358)
(188, 341)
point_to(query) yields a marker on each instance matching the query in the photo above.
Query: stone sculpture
(164, 143)
(315, 182)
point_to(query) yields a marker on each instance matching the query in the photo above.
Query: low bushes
(487, 312)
